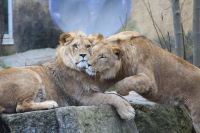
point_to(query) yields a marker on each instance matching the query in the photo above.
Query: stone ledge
(161, 119)
(84, 119)
(29, 58)
(97, 119)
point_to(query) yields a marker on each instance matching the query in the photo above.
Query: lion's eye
(117, 54)
(75, 46)
(88, 46)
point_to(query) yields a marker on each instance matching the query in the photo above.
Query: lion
(134, 63)
(58, 83)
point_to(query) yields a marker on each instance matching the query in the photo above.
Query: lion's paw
(51, 104)
(123, 93)
(126, 111)
(120, 89)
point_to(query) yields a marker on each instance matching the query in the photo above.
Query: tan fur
(57, 83)
(154, 73)
(95, 38)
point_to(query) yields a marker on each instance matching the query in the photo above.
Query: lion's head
(74, 49)
(106, 60)
(107, 54)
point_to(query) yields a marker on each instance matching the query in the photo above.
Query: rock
(98, 119)
(156, 118)
(1, 68)
(29, 58)
(161, 119)
(34, 29)
(31, 122)
(1, 64)
(83, 119)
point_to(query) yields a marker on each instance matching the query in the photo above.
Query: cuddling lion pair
(128, 60)
(58, 83)
(134, 63)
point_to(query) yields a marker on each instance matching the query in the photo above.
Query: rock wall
(33, 27)
(97, 119)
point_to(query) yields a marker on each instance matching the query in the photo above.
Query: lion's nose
(83, 55)
(89, 65)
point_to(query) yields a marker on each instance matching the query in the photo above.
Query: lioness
(57, 83)
(154, 73)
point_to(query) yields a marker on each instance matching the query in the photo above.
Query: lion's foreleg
(124, 109)
(36, 106)
(143, 82)
(140, 83)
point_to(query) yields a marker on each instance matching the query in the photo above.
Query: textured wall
(32, 25)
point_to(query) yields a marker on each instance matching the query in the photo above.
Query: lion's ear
(95, 38)
(66, 37)
(99, 37)
(117, 51)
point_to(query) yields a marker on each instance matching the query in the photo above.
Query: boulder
(98, 119)
(155, 118)
(83, 119)
(29, 58)
(161, 119)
